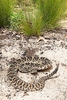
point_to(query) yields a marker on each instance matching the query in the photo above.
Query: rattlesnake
(32, 65)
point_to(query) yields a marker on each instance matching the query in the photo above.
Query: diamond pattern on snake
(30, 64)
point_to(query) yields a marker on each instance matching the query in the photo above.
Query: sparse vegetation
(5, 12)
(52, 11)
(32, 23)
(15, 20)
(32, 16)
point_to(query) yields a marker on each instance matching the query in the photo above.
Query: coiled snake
(32, 65)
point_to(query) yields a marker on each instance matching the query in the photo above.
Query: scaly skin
(17, 83)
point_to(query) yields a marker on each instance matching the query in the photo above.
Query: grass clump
(52, 11)
(45, 16)
(5, 12)
(15, 20)
(31, 23)
(34, 16)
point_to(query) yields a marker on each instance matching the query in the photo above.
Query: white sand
(55, 89)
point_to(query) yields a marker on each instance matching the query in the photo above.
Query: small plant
(5, 12)
(15, 20)
(32, 23)
(52, 11)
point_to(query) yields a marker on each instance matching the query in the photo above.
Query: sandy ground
(53, 46)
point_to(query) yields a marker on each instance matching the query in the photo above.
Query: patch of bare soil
(53, 46)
